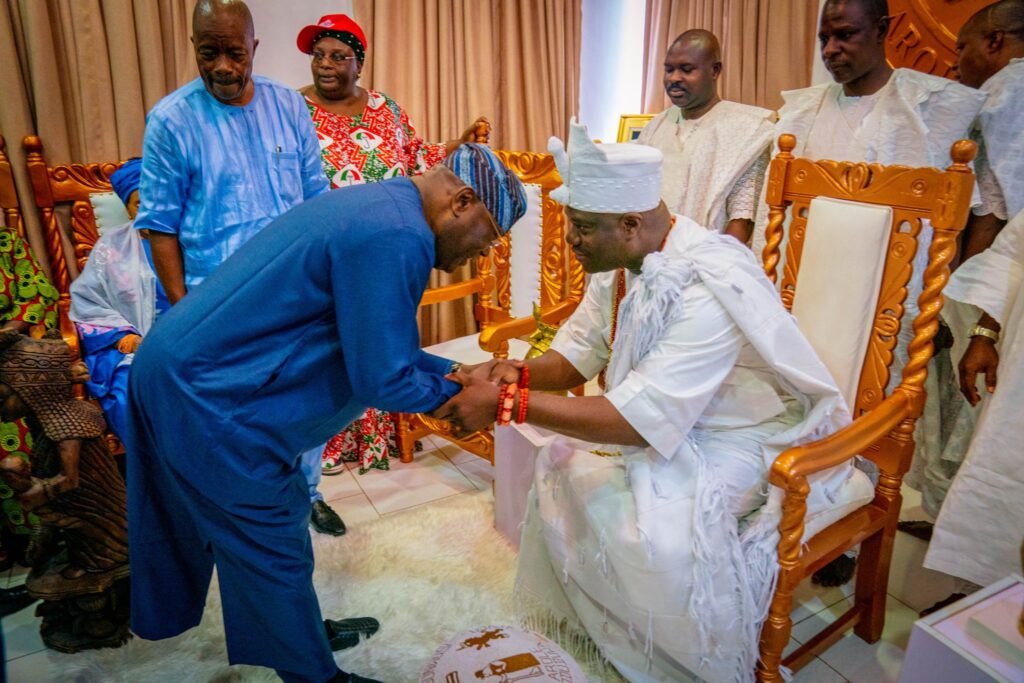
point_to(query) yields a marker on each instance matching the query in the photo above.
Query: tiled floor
(442, 470)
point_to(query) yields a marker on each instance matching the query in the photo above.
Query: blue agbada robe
(309, 323)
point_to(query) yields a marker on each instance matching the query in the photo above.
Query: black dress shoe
(325, 520)
(14, 600)
(344, 677)
(345, 633)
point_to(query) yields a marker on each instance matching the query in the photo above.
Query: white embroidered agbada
(714, 166)
(978, 533)
(944, 431)
(665, 556)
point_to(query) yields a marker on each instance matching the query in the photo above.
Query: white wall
(277, 24)
(611, 64)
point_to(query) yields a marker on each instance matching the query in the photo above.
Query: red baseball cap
(338, 23)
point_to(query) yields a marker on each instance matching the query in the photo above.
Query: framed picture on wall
(630, 126)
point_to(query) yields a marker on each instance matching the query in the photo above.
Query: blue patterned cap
(497, 187)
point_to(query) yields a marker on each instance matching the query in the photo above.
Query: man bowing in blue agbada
(306, 325)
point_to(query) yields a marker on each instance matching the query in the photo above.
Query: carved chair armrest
(452, 292)
(494, 337)
(790, 470)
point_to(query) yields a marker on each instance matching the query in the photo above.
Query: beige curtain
(766, 46)
(81, 74)
(448, 62)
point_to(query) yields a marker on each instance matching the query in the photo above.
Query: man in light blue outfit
(310, 322)
(223, 156)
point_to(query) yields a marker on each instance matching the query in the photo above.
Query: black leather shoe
(345, 633)
(344, 677)
(325, 520)
(14, 600)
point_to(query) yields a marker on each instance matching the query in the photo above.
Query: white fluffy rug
(427, 575)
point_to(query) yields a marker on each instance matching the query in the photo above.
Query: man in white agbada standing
(715, 151)
(979, 530)
(990, 48)
(650, 526)
(876, 114)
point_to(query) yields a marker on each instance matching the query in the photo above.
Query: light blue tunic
(215, 174)
(310, 322)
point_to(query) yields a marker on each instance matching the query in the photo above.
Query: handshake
(476, 405)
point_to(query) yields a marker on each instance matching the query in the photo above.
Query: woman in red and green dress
(27, 299)
(365, 137)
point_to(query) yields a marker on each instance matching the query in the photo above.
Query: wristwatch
(456, 366)
(979, 331)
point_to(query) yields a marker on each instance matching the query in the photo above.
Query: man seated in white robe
(989, 57)
(715, 151)
(876, 114)
(650, 526)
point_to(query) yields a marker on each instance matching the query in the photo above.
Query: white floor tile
(811, 598)
(16, 576)
(818, 672)
(355, 510)
(338, 486)
(478, 471)
(21, 634)
(909, 581)
(856, 660)
(430, 477)
(40, 667)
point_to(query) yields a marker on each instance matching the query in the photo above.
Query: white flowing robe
(665, 555)
(948, 422)
(978, 533)
(714, 166)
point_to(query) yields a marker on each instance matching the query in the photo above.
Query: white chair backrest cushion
(524, 262)
(108, 209)
(839, 281)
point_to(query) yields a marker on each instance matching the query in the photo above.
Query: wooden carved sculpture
(80, 559)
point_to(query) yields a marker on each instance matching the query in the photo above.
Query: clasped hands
(476, 405)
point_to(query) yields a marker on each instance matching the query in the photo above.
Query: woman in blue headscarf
(115, 301)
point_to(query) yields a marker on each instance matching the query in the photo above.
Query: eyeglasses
(336, 57)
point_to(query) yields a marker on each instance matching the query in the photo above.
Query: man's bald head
(222, 35)
(874, 10)
(206, 10)
(692, 66)
(989, 40)
(702, 40)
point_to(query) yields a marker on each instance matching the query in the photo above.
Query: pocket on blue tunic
(287, 177)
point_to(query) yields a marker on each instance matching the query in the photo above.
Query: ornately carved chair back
(883, 430)
(66, 185)
(915, 195)
(560, 275)
(9, 206)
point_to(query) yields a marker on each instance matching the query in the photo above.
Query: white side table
(973, 640)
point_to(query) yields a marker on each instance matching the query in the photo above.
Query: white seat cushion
(467, 349)
(840, 277)
(108, 209)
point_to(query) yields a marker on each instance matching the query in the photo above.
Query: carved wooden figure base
(87, 621)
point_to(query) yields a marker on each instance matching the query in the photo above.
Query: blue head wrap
(497, 187)
(126, 179)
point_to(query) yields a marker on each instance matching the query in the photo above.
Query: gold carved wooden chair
(9, 207)
(855, 230)
(56, 188)
(532, 265)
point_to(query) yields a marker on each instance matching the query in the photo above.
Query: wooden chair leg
(872, 580)
(406, 445)
(775, 633)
